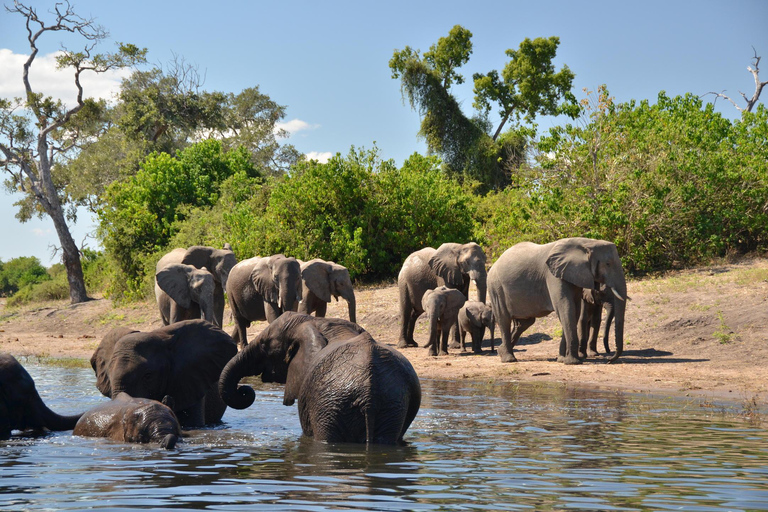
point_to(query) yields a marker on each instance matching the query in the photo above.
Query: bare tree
(37, 131)
(751, 102)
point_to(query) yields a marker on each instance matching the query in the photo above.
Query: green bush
(19, 273)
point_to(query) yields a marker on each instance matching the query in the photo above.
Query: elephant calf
(442, 305)
(131, 420)
(474, 317)
(21, 407)
(593, 302)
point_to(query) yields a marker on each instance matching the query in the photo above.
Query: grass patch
(723, 334)
(61, 362)
(110, 318)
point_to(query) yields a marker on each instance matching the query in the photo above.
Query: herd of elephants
(349, 387)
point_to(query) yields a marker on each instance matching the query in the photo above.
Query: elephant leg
(408, 340)
(272, 311)
(583, 329)
(505, 349)
(594, 329)
(568, 311)
(445, 332)
(477, 340)
(240, 335)
(463, 335)
(321, 309)
(218, 304)
(193, 416)
(454, 333)
(407, 320)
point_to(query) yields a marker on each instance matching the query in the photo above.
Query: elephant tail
(57, 422)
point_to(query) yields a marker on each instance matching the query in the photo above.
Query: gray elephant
(21, 407)
(184, 292)
(262, 289)
(474, 317)
(530, 281)
(131, 420)
(452, 265)
(442, 305)
(322, 280)
(182, 360)
(593, 302)
(349, 387)
(218, 262)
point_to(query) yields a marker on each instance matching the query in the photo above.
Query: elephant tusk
(617, 294)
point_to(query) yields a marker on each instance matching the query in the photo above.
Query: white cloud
(41, 232)
(59, 84)
(321, 157)
(296, 125)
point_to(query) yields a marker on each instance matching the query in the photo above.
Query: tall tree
(37, 131)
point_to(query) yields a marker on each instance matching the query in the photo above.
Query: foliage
(141, 214)
(20, 272)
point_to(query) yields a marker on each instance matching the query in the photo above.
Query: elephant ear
(306, 342)
(262, 279)
(316, 275)
(174, 280)
(571, 261)
(198, 352)
(445, 264)
(102, 357)
(474, 315)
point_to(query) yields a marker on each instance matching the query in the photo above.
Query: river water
(473, 446)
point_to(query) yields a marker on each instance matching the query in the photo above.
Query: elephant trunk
(248, 362)
(352, 304)
(619, 308)
(288, 296)
(482, 287)
(207, 312)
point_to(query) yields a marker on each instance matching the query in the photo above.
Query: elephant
(530, 281)
(452, 265)
(474, 317)
(131, 420)
(262, 289)
(184, 292)
(218, 262)
(181, 360)
(349, 387)
(322, 279)
(21, 407)
(442, 305)
(593, 302)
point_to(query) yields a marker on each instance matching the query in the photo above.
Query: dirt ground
(701, 333)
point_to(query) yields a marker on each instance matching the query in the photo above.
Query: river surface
(473, 446)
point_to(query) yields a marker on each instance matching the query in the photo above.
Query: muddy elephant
(452, 265)
(349, 387)
(474, 317)
(530, 281)
(182, 360)
(218, 262)
(262, 289)
(322, 280)
(131, 420)
(21, 407)
(442, 305)
(593, 302)
(184, 292)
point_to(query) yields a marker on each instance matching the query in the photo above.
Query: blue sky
(327, 61)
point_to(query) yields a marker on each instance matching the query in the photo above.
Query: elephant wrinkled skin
(349, 387)
(530, 281)
(131, 420)
(21, 407)
(182, 360)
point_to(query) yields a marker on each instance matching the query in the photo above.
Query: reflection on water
(472, 446)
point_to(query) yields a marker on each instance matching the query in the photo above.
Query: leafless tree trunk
(751, 102)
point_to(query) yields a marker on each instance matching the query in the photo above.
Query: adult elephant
(322, 280)
(184, 292)
(530, 281)
(21, 407)
(262, 289)
(452, 265)
(182, 361)
(131, 420)
(349, 387)
(218, 262)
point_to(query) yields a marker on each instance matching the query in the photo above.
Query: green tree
(37, 132)
(20, 272)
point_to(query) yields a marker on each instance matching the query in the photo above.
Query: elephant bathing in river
(182, 360)
(349, 387)
(21, 407)
(452, 265)
(131, 420)
(530, 281)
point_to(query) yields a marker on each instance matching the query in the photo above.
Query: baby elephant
(442, 306)
(131, 420)
(474, 317)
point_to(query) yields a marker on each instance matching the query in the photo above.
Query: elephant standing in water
(349, 387)
(262, 289)
(131, 420)
(452, 265)
(21, 407)
(182, 361)
(322, 280)
(218, 262)
(590, 318)
(474, 317)
(530, 281)
(442, 305)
